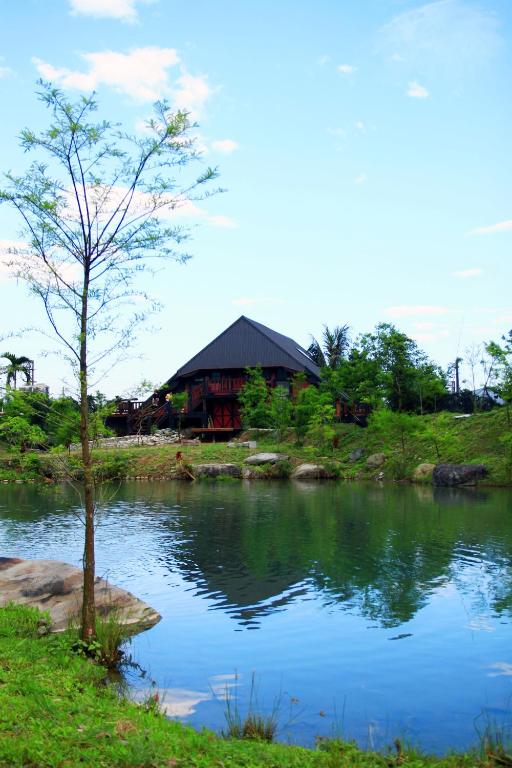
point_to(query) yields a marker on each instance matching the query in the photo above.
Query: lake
(362, 611)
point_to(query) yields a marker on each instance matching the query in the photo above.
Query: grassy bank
(56, 711)
(483, 438)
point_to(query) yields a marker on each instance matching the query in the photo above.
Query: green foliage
(111, 466)
(398, 428)
(17, 365)
(253, 399)
(312, 411)
(406, 380)
(63, 422)
(280, 411)
(19, 433)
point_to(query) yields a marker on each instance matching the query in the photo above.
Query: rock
(57, 588)
(265, 458)
(252, 474)
(458, 474)
(252, 444)
(356, 455)
(422, 473)
(309, 472)
(376, 460)
(215, 470)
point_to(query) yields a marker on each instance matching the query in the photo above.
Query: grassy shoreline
(56, 711)
(484, 438)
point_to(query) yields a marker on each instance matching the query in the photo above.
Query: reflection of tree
(255, 548)
(378, 552)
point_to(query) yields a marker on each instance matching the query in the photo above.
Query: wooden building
(213, 378)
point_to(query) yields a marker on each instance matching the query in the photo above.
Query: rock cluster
(162, 437)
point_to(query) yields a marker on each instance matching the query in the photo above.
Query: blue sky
(364, 146)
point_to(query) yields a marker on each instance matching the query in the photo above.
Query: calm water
(364, 611)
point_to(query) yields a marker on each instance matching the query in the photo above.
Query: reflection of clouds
(175, 702)
(182, 702)
(221, 684)
(480, 624)
(501, 668)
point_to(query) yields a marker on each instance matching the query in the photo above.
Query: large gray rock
(458, 474)
(355, 455)
(57, 588)
(265, 458)
(216, 470)
(309, 472)
(376, 460)
(252, 444)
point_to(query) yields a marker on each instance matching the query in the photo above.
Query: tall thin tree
(95, 207)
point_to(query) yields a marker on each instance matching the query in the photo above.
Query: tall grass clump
(254, 726)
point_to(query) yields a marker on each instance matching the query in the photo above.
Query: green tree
(395, 429)
(254, 400)
(92, 207)
(17, 365)
(20, 433)
(333, 349)
(406, 380)
(501, 354)
(280, 411)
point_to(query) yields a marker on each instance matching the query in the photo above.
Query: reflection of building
(213, 378)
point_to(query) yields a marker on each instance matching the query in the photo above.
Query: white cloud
(464, 273)
(412, 310)
(502, 226)
(225, 146)
(323, 60)
(124, 10)
(361, 179)
(346, 69)
(361, 126)
(141, 74)
(448, 35)
(192, 94)
(417, 91)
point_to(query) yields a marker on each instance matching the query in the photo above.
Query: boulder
(216, 470)
(458, 474)
(309, 472)
(265, 458)
(252, 444)
(57, 588)
(252, 474)
(376, 460)
(423, 472)
(357, 454)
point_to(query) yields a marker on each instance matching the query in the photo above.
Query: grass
(482, 438)
(57, 712)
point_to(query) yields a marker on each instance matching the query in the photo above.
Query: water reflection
(307, 584)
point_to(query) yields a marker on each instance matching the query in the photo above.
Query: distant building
(43, 389)
(213, 378)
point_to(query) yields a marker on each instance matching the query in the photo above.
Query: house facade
(213, 378)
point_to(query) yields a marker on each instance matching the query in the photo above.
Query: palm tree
(333, 349)
(23, 365)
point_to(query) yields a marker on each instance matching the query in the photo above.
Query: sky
(364, 149)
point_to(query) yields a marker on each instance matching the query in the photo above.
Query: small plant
(107, 646)
(254, 726)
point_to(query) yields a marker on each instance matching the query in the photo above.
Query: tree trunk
(88, 629)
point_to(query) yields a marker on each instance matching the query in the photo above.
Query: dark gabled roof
(247, 343)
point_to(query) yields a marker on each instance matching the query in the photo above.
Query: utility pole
(458, 360)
